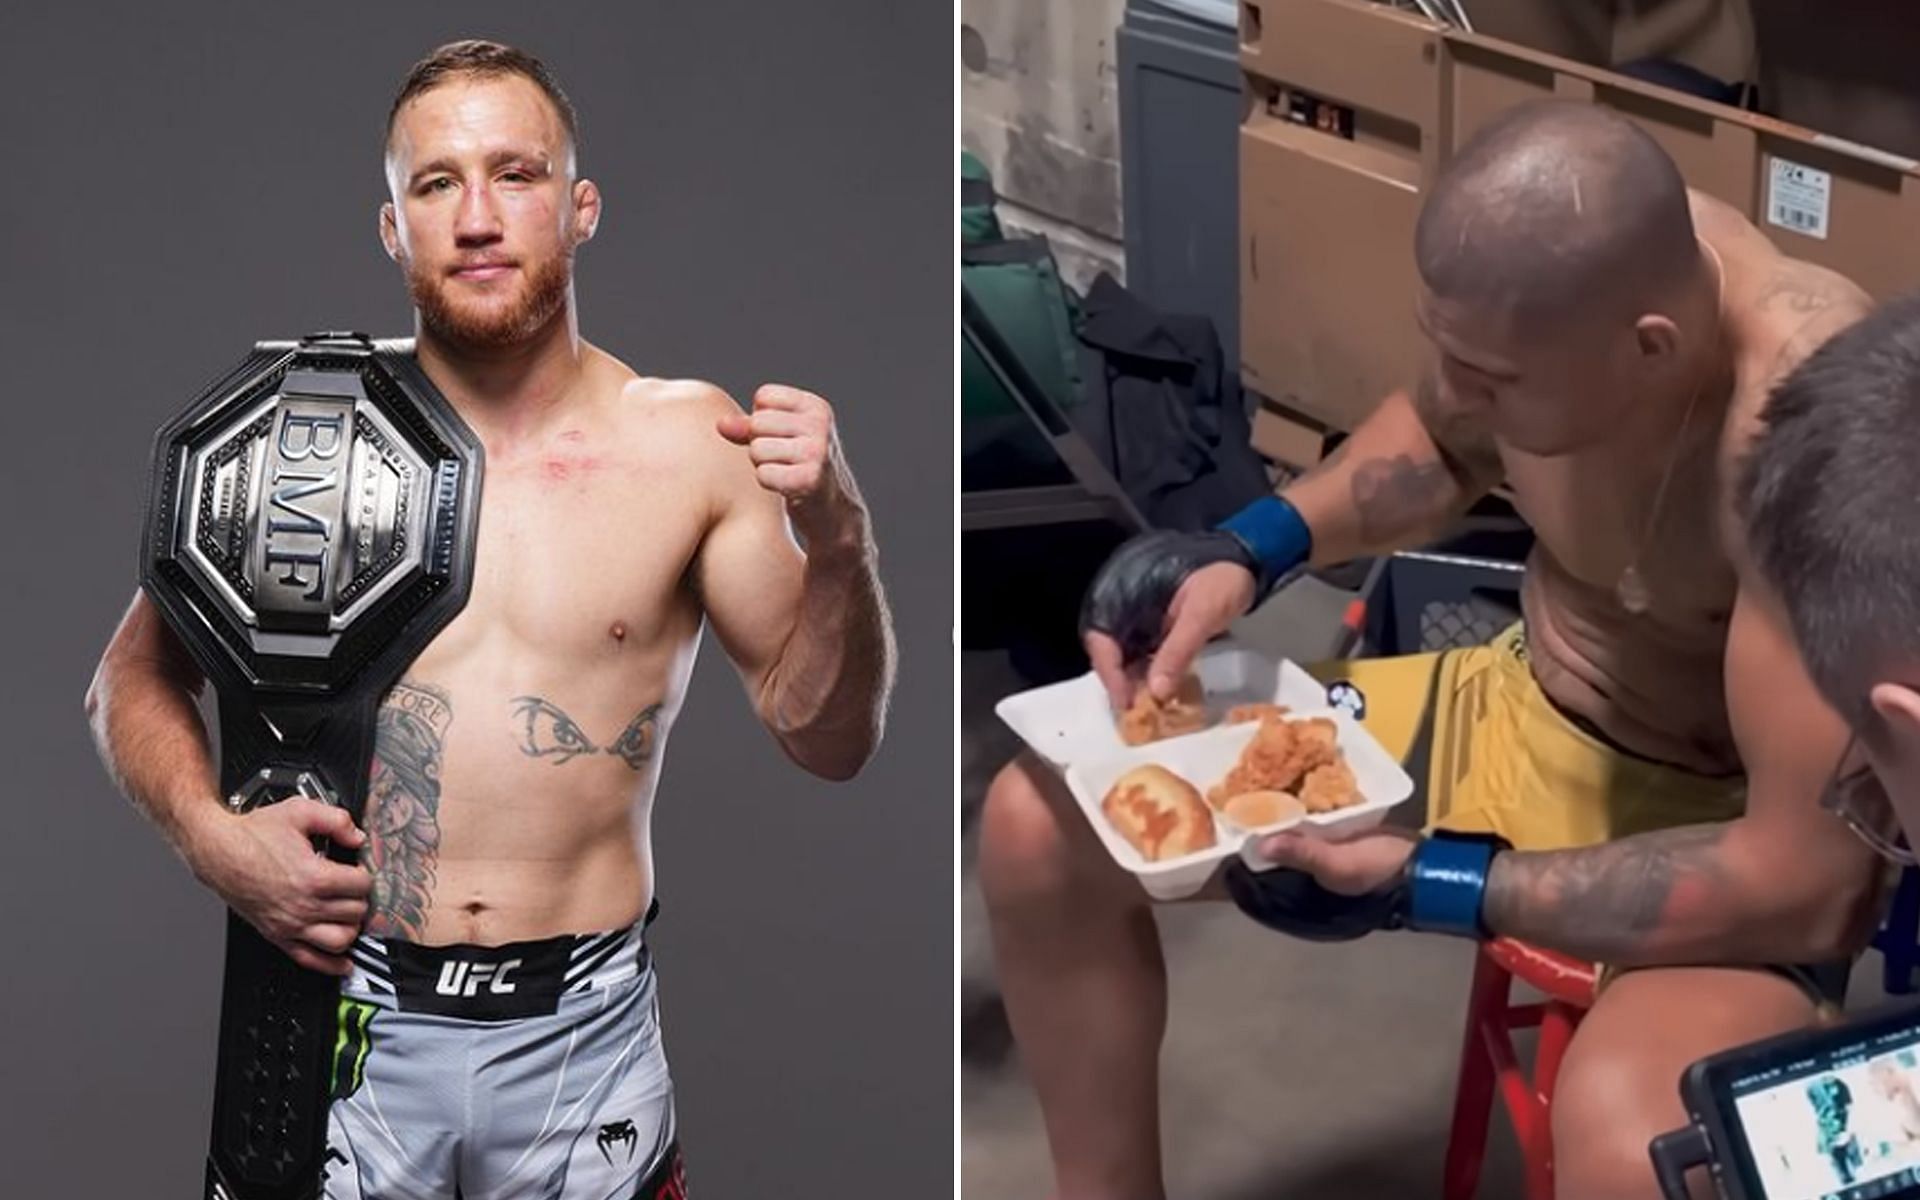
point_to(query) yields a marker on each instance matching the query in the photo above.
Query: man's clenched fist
(796, 454)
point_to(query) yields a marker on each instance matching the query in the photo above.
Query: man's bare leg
(1619, 1085)
(1079, 962)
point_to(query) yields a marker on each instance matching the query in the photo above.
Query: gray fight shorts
(530, 1070)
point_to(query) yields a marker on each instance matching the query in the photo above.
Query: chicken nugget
(1329, 787)
(1278, 757)
(1149, 720)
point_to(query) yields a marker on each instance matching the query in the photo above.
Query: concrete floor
(1290, 1069)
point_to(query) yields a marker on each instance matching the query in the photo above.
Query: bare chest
(575, 546)
(1646, 537)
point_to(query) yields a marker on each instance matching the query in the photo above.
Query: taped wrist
(1440, 892)
(1446, 882)
(1276, 537)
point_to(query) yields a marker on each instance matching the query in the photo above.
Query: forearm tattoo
(1402, 496)
(1620, 902)
(403, 807)
(1398, 496)
(548, 732)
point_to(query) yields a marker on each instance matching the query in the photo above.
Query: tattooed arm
(1401, 478)
(1787, 882)
(403, 807)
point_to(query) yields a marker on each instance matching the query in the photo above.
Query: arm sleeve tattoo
(1640, 899)
(403, 807)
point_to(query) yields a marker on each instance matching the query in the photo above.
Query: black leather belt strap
(310, 528)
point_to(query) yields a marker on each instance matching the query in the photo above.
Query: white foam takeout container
(1072, 726)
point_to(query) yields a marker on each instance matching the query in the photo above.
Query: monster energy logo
(350, 1046)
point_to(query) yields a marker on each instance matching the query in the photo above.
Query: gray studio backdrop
(183, 179)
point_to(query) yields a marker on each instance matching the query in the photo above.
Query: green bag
(977, 221)
(1018, 285)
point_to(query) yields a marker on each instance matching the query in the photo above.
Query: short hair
(1831, 505)
(474, 58)
(1554, 209)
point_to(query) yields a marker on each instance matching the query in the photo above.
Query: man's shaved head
(1556, 209)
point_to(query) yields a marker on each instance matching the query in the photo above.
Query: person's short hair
(1830, 497)
(474, 58)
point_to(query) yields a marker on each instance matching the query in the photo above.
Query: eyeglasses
(1858, 798)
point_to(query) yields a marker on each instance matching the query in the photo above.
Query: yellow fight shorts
(1491, 754)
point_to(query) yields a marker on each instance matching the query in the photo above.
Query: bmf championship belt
(310, 529)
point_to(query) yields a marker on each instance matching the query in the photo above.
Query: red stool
(1487, 1060)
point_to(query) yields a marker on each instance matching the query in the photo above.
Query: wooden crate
(1328, 203)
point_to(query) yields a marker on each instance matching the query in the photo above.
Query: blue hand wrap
(1446, 880)
(1277, 536)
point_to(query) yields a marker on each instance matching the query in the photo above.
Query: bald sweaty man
(1630, 776)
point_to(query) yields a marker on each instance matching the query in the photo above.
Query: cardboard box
(1352, 107)
(1325, 316)
(1285, 438)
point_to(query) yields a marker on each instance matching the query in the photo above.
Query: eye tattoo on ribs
(546, 731)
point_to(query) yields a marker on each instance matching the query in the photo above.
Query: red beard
(486, 322)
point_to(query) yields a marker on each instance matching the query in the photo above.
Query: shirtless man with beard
(1648, 742)
(516, 762)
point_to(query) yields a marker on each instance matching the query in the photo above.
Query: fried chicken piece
(1280, 753)
(1319, 738)
(1159, 813)
(1149, 720)
(1241, 713)
(1329, 787)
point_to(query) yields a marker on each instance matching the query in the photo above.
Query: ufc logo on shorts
(461, 978)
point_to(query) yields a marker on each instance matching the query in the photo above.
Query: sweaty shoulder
(1780, 310)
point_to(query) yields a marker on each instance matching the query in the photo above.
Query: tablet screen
(1839, 1123)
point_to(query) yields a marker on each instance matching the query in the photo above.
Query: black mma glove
(1130, 594)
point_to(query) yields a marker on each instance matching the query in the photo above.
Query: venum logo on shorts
(1347, 698)
(616, 1134)
(459, 977)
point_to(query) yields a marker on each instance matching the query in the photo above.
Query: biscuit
(1160, 814)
